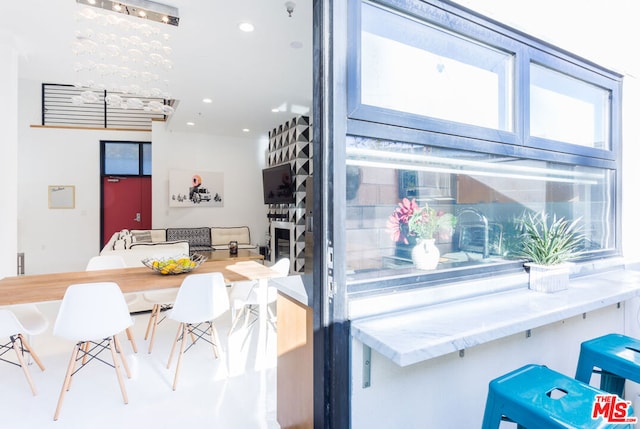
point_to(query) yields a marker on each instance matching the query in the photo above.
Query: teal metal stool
(536, 397)
(618, 358)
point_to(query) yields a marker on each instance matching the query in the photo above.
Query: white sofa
(135, 245)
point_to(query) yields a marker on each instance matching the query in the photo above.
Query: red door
(126, 204)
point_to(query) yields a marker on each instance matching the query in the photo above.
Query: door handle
(137, 218)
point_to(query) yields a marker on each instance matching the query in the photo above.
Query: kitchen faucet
(485, 225)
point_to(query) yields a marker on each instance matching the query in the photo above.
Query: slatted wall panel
(58, 109)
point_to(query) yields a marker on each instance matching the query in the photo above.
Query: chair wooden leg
(214, 339)
(124, 360)
(193, 337)
(132, 340)
(85, 347)
(67, 378)
(156, 319)
(23, 365)
(28, 348)
(236, 319)
(173, 347)
(152, 316)
(178, 365)
(116, 365)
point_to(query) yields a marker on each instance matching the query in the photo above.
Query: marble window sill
(418, 334)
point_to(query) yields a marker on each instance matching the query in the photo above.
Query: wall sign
(62, 196)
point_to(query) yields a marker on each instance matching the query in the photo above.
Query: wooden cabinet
(295, 364)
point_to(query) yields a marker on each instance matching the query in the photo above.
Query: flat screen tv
(277, 184)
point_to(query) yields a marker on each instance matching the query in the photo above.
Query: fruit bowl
(176, 264)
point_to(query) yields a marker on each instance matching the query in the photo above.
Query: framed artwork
(188, 188)
(62, 196)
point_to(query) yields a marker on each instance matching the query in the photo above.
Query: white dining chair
(201, 299)
(92, 315)
(244, 297)
(15, 323)
(111, 262)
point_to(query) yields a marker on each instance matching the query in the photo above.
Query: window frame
(380, 123)
(141, 146)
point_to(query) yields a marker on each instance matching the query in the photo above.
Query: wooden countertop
(51, 287)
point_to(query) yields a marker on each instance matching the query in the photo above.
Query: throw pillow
(141, 236)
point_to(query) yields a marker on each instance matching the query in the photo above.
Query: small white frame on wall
(62, 196)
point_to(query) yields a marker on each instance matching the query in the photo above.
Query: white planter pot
(548, 278)
(425, 255)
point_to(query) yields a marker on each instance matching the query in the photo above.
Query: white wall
(449, 391)
(9, 156)
(56, 240)
(240, 160)
(63, 240)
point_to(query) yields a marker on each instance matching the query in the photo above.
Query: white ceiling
(245, 74)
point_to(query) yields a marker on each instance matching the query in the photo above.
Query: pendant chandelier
(123, 53)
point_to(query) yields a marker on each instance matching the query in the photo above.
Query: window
(127, 158)
(567, 109)
(423, 69)
(486, 193)
(478, 122)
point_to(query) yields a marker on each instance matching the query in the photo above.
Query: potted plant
(412, 223)
(548, 243)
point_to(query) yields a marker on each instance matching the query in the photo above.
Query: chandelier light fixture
(123, 48)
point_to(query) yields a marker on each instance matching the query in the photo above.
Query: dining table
(38, 288)
(35, 288)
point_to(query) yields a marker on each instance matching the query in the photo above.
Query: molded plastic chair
(201, 299)
(110, 262)
(91, 315)
(617, 356)
(161, 300)
(245, 300)
(14, 323)
(535, 396)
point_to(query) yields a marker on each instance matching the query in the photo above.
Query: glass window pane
(485, 193)
(146, 159)
(566, 109)
(415, 67)
(121, 158)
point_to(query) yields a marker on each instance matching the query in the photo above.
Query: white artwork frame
(193, 188)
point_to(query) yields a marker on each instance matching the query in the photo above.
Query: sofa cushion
(198, 238)
(221, 236)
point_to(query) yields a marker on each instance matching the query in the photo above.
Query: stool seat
(618, 356)
(535, 396)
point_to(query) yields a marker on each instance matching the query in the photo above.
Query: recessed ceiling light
(275, 110)
(247, 27)
(207, 100)
(245, 130)
(142, 13)
(191, 124)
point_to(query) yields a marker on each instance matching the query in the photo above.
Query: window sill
(420, 333)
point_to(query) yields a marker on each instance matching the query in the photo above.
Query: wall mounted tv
(277, 184)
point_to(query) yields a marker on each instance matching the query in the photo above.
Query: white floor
(238, 390)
